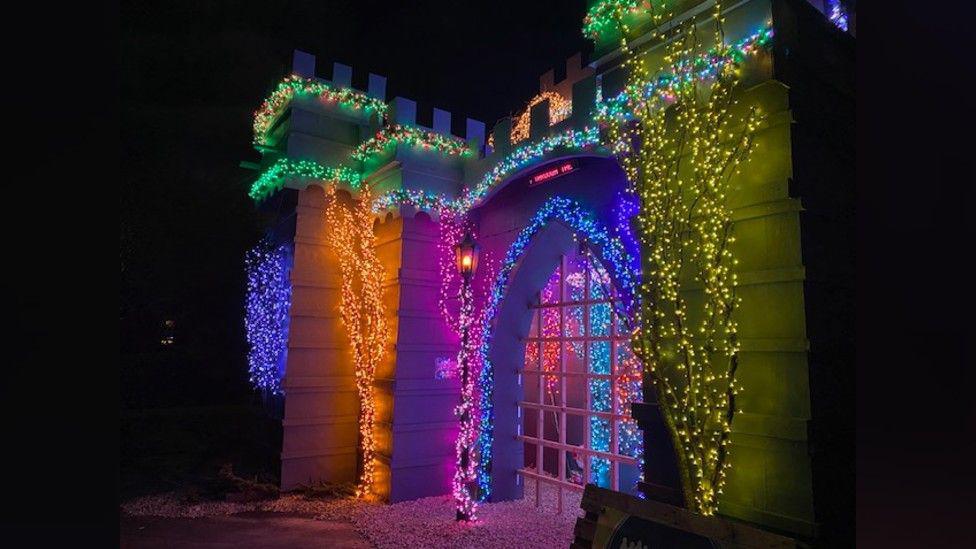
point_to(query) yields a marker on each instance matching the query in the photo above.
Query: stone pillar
(321, 407)
(417, 428)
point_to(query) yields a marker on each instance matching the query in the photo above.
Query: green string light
(273, 179)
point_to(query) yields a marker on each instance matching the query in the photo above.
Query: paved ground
(243, 530)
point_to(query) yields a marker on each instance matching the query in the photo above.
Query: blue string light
(837, 14)
(266, 314)
(629, 440)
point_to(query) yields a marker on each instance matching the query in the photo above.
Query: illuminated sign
(553, 172)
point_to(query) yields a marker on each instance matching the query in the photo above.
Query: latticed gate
(579, 374)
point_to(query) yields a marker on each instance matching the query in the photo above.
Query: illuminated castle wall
(788, 204)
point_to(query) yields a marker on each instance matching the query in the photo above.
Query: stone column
(321, 406)
(417, 427)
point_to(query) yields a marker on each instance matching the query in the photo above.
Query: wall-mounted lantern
(467, 256)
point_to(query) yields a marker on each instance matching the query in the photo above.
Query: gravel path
(427, 522)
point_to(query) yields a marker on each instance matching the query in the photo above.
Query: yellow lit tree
(675, 134)
(362, 310)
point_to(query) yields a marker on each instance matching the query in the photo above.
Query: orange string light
(361, 308)
(559, 109)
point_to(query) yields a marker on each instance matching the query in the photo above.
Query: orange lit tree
(350, 228)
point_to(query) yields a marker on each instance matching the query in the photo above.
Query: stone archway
(507, 350)
(554, 232)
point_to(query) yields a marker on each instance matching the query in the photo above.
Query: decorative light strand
(549, 319)
(628, 371)
(451, 230)
(469, 314)
(362, 310)
(525, 155)
(586, 227)
(266, 317)
(837, 14)
(465, 471)
(418, 198)
(295, 85)
(514, 161)
(608, 15)
(685, 71)
(411, 136)
(685, 226)
(560, 109)
(273, 178)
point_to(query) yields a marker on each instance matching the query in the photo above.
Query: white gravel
(427, 522)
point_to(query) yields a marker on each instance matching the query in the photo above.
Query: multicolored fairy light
(548, 362)
(627, 371)
(550, 328)
(465, 472)
(266, 314)
(468, 315)
(608, 15)
(685, 232)
(585, 226)
(686, 71)
(420, 199)
(296, 86)
(514, 161)
(411, 136)
(525, 155)
(273, 178)
(362, 309)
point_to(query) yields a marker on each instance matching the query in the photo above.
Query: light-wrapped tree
(675, 133)
(361, 308)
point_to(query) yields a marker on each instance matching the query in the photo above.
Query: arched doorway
(592, 439)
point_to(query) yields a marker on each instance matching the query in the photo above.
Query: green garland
(414, 137)
(294, 85)
(686, 72)
(607, 15)
(273, 179)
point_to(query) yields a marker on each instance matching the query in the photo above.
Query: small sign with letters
(553, 171)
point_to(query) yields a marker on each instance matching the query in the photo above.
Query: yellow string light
(679, 154)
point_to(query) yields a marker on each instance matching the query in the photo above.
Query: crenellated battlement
(303, 64)
(328, 123)
(403, 111)
(575, 71)
(558, 106)
(398, 110)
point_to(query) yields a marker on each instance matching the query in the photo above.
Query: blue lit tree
(266, 314)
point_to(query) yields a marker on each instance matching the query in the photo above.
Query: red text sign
(552, 172)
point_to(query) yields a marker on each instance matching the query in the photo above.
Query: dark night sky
(193, 73)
